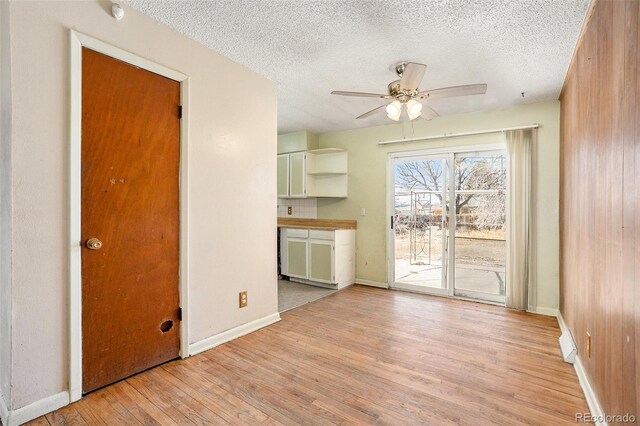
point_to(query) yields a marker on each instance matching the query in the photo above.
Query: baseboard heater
(568, 347)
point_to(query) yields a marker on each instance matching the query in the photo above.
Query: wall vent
(568, 347)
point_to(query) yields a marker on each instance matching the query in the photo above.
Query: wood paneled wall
(600, 203)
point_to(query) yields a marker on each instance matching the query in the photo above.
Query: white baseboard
(225, 336)
(562, 324)
(59, 400)
(371, 283)
(589, 394)
(4, 411)
(551, 312)
(36, 409)
(592, 401)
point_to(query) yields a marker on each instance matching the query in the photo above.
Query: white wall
(5, 207)
(232, 182)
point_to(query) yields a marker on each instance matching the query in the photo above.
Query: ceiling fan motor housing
(403, 95)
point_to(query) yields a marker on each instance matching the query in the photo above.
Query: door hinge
(391, 222)
(179, 111)
(179, 314)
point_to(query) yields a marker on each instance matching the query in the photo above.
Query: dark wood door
(130, 203)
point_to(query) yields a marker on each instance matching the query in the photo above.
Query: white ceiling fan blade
(428, 113)
(448, 92)
(412, 76)
(370, 113)
(360, 94)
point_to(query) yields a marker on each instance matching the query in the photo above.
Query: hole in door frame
(78, 41)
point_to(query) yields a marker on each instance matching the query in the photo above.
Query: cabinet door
(321, 261)
(297, 175)
(283, 176)
(297, 258)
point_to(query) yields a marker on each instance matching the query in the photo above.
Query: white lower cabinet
(297, 258)
(318, 257)
(321, 261)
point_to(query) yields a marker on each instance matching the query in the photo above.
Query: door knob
(94, 244)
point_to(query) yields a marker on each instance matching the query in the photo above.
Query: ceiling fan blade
(360, 94)
(448, 92)
(412, 76)
(428, 113)
(370, 113)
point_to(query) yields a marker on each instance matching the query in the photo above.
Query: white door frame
(450, 260)
(78, 41)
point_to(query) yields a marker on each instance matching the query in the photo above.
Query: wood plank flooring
(360, 356)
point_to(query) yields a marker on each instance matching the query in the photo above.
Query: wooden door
(130, 203)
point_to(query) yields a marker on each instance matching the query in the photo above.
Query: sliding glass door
(449, 224)
(419, 223)
(479, 246)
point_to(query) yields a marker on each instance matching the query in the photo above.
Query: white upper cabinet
(305, 171)
(316, 173)
(297, 175)
(327, 173)
(283, 176)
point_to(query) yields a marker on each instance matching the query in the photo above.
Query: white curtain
(520, 270)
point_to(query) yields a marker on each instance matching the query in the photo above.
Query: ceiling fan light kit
(405, 92)
(414, 109)
(394, 110)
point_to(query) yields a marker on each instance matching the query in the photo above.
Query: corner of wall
(5, 211)
(592, 400)
(541, 310)
(4, 411)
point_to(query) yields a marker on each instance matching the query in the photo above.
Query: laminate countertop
(324, 224)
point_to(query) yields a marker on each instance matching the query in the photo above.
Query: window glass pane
(481, 172)
(418, 222)
(480, 253)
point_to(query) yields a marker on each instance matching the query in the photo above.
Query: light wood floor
(359, 356)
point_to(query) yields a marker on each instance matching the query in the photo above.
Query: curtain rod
(452, 135)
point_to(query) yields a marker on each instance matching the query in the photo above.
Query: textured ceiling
(310, 48)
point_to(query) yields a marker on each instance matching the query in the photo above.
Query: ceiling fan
(405, 92)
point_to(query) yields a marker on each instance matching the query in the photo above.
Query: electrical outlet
(243, 299)
(588, 344)
(363, 211)
(289, 210)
